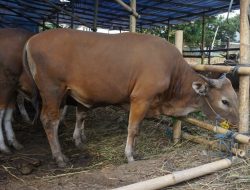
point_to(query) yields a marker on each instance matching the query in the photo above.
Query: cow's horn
(216, 83)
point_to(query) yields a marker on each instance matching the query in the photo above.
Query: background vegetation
(193, 31)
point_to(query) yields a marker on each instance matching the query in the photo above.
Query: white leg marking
(20, 104)
(63, 113)
(3, 147)
(78, 134)
(9, 130)
(129, 151)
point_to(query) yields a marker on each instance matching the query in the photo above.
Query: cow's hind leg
(3, 147)
(21, 107)
(50, 117)
(63, 112)
(9, 130)
(138, 110)
(78, 134)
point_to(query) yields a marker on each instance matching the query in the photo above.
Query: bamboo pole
(73, 12)
(132, 25)
(203, 39)
(239, 137)
(220, 69)
(95, 15)
(244, 58)
(180, 176)
(177, 124)
(168, 32)
(212, 144)
(130, 8)
(179, 40)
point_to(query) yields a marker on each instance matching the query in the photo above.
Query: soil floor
(101, 163)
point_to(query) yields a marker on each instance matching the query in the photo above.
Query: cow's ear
(200, 88)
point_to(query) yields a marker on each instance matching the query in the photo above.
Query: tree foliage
(193, 31)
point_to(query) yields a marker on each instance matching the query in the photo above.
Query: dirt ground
(101, 163)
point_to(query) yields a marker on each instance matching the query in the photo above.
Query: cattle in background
(11, 75)
(97, 69)
(13, 79)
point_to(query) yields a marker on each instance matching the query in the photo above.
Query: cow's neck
(181, 98)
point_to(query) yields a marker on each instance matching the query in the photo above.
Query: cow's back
(122, 62)
(11, 48)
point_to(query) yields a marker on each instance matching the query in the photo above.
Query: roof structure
(30, 14)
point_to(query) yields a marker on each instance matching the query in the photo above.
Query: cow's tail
(29, 69)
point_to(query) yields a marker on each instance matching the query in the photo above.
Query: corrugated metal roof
(29, 13)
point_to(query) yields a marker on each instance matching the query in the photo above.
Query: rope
(226, 140)
(235, 69)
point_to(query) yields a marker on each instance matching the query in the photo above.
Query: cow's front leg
(50, 119)
(9, 130)
(78, 134)
(138, 110)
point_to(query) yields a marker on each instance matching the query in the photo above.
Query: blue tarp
(30, 13)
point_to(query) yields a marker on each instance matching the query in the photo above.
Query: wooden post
(177, 131)
(179, 40)
(168, 32)
(177, 124)
(209, 56)
(57, 19)
(132, 26)
(203, 39)
(72, 11)
(95, 16)
(43, 25)
(228, 44)
(244, 59)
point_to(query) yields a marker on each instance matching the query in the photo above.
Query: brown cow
(11, 75)
(12, 80)
(96, 69)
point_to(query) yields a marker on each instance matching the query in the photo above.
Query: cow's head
(219, 98)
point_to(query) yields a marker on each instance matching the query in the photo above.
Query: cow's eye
(225, 102)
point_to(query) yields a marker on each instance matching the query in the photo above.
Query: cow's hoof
(83, 137)
(130, 159)
(79, 144)
(61, 160)
(65, 158)
(17, 145)
(5, 150)
(61, 164)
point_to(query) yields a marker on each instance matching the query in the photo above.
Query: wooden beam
(128, 8)
(237, 136)
(221, 69)
(244, 59)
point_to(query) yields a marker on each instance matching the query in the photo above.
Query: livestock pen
(101, 164)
